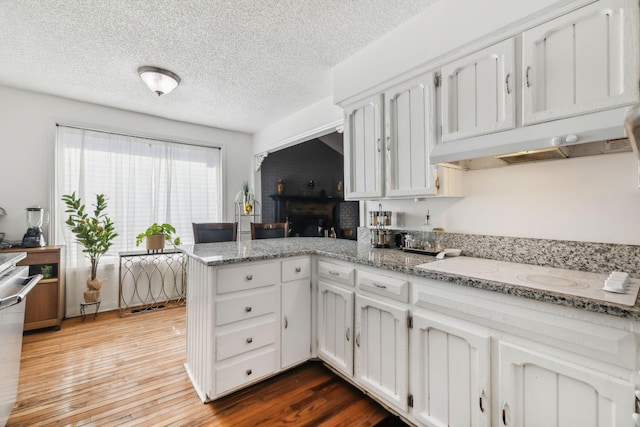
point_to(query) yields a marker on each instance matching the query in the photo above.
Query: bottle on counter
(427, 233)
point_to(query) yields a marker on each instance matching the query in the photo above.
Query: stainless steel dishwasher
(15, 284)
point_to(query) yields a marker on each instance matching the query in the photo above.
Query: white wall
(592, 199)
(315, 120)
(28, 127)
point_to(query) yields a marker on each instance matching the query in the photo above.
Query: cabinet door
(382, 350)
(478, 93)
(450, 372)
(542, 390)
(296, 322)
(584, 61)
(363, 149)
(410, 133)
(335, 326)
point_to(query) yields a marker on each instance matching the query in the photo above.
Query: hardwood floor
(129, 371)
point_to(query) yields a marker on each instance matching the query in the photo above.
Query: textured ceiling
(244, 64)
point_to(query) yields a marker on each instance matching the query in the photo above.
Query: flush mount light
(159, 80)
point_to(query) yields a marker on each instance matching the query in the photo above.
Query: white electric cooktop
(570, 282)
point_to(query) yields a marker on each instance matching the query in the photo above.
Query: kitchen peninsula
(256, 308)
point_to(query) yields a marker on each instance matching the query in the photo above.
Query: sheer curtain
(144, 181)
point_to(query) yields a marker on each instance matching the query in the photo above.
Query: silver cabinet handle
(298, 269)
(378, 285)
(389, 143)
(526, 76)
(378, 144)
(358, 339)
(249, 371)
(249, 277)
(333, 273)
(481, 402)
(247, 309)
(286, 322)
(249, 340)
(504, 412)
(506, 82)
(348, 334)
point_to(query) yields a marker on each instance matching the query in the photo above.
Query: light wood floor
(129, 371)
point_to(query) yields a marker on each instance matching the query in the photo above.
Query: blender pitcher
(34, 237)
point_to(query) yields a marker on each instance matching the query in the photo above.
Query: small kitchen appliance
(34, 237)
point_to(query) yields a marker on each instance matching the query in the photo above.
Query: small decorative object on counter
(95, 233)
(156, 235)
(380, 237)
(340, 189)
(247, 198)
(280, 186)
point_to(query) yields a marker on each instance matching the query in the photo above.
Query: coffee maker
(34, 238)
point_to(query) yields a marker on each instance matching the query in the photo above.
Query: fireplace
(311, 216)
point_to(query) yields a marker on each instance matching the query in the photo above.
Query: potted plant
(156, 235)
(95, 233)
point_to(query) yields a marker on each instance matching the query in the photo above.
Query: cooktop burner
(577, 283)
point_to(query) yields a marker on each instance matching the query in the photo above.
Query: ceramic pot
(155, 243)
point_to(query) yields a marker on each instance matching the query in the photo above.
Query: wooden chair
(214, 232)
(269, 230)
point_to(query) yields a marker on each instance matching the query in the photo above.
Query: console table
(151, 281)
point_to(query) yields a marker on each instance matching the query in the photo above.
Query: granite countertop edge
(229, 253)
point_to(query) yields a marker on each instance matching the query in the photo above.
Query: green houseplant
(156, 235)
(95, 233)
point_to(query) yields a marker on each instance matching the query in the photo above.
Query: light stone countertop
(216, 254)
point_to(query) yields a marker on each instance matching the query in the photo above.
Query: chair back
(209, 232)
(269, 230)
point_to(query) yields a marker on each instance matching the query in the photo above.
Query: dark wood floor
(129, 371)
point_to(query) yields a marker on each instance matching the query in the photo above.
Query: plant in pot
(156, 235)
(95, 233)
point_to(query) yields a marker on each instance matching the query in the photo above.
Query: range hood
(596, 133)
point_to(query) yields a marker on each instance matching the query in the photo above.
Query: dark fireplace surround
(310, 216)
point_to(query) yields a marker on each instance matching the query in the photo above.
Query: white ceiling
(244, 64)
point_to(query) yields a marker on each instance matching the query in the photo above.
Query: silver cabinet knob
(298, 269)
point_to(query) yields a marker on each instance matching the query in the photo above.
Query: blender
(34, 238)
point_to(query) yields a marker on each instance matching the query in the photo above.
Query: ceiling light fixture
(159, 80)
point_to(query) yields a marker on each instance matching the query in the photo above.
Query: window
(144, 181)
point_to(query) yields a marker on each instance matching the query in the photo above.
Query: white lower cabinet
(541, 389)
(450, 371)
(382, 347)
(295, 310)
(335, 326)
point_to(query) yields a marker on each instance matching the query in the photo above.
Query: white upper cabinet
(478, 93)
(581, 62)
(363, 149)
(409, 135)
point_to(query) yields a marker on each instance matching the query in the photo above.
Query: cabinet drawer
(233, 343)
(295, 269)
(337, 273)
(36, 257)
(246, 306)
(245, 371)
(247, 276)
(390, 287)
